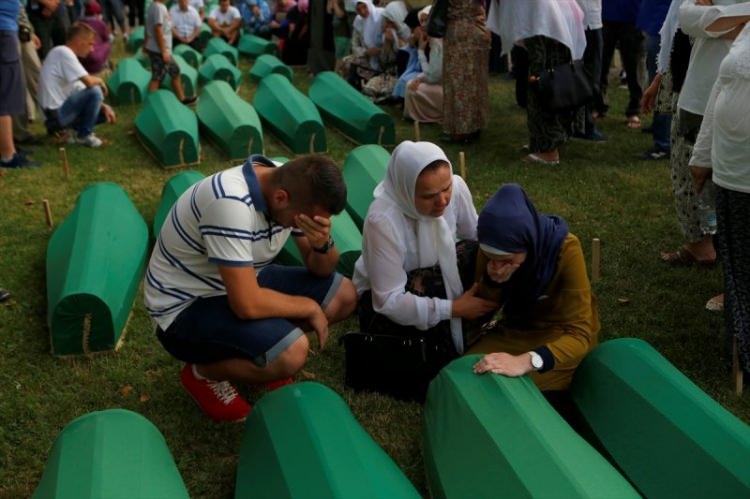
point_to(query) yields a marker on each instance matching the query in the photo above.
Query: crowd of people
(432, 268)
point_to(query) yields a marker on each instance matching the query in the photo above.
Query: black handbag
(565, 87)
(396, 365)
(437, 23)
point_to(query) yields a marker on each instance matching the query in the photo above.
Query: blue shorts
(208, 331)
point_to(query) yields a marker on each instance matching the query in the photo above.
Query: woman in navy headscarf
(550, 320)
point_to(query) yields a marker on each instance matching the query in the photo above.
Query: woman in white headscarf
(367, 43)
(412, 276)
(424, 92)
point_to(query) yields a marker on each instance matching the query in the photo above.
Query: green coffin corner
(268, 64)
(95, 262)
(667, 436)
(171, 192)
(113, 454)
(364, 169)
(302, 441)
(218, 67)
(205, 34)
(143, 60)
(343, 46)
(290, 114)
(348, 241)
(136, 39)
(217, 45)
(188, 75)
(494, 436)
(128, 84)
(350, 111)
(169, 130)
(254, 46)
(191, 56)
(229, 122)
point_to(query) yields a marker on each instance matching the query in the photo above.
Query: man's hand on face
(316, 229)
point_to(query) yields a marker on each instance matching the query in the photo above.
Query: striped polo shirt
(221, 220)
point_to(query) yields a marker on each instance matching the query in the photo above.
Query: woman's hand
(505, 364)
(501, 271)
(469, 306)
(648, 100)
(414, 84)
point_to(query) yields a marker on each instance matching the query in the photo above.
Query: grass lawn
(602, 190)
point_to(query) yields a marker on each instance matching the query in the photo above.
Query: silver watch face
(536, 360)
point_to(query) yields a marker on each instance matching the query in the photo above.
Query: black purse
(437, 23)
(565, 87)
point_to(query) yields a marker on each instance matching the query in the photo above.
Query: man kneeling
(220, 303)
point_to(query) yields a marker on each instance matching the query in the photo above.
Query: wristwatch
(536, 360)
(327, 246)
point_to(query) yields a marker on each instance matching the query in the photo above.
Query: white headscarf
(435, 239)
(516, 20)
(396, 13)
(372, 25)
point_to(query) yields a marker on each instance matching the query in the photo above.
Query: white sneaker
(89, 140)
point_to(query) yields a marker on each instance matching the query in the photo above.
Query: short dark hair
(79, 29)
(312, 180)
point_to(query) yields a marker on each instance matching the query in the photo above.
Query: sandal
(634, 122)
(533, 158)
(716, 304)
(683, 257)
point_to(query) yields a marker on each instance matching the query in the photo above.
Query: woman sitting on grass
(550, 319)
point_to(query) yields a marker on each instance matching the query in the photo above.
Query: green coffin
(188, 75)
(230, 122)
(254, 46)
(493, 436)
(364, 169)
(302, 441)
(191, 56)
(290, 115)
(218, 46)
(218, 67)
(95, 262)
(348, 241)
(269, 64)
(343, 46)
(113, 454)
(128, 84)
(667, 436)
(143, 60)
(172, 190)
(205, 35)
(350, 111)
(168, 129)
(136, 38)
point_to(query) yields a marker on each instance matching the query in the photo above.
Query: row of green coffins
(484, 437)
(96, 257)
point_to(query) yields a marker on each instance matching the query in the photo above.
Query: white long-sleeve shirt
(724, 139)
(389, 251)
(432, 70)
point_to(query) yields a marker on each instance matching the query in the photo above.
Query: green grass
(602, 191)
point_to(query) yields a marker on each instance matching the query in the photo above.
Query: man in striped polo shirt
(220, 303)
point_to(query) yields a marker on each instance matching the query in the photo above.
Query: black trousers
(592, 63)
(629, 39)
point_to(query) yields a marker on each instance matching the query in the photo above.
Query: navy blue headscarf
(510, 223)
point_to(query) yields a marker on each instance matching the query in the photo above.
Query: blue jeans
(82, 111)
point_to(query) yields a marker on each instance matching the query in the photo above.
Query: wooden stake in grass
(736, 371)
(417, 135)
(47, 213)
(380, 135)
(64, 161)
(312, 144)
(462, 164)
(596, 260)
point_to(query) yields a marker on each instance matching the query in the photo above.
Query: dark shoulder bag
(437, 23)
(565, 87)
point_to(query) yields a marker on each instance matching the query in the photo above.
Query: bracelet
(327, 246)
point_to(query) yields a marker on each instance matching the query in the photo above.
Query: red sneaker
(278, 383)
(219, 400)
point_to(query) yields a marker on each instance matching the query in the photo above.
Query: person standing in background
(592, 60)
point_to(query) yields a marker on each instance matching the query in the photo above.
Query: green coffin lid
(290, 115)
(128, 84)
(350, 111)
(302, 441)
(144, 61)
(255, 46)
(269, 64)
(494, 436)
(171, 192)
(113, 454)
(364, 169)
(217, 45)
(136, 38)
(191, 56)
(667, 436)
(188, 75)
(343, 46)
(168, 129)
(95, 262)
(229, 122)
(205, 35)
(218, 67)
